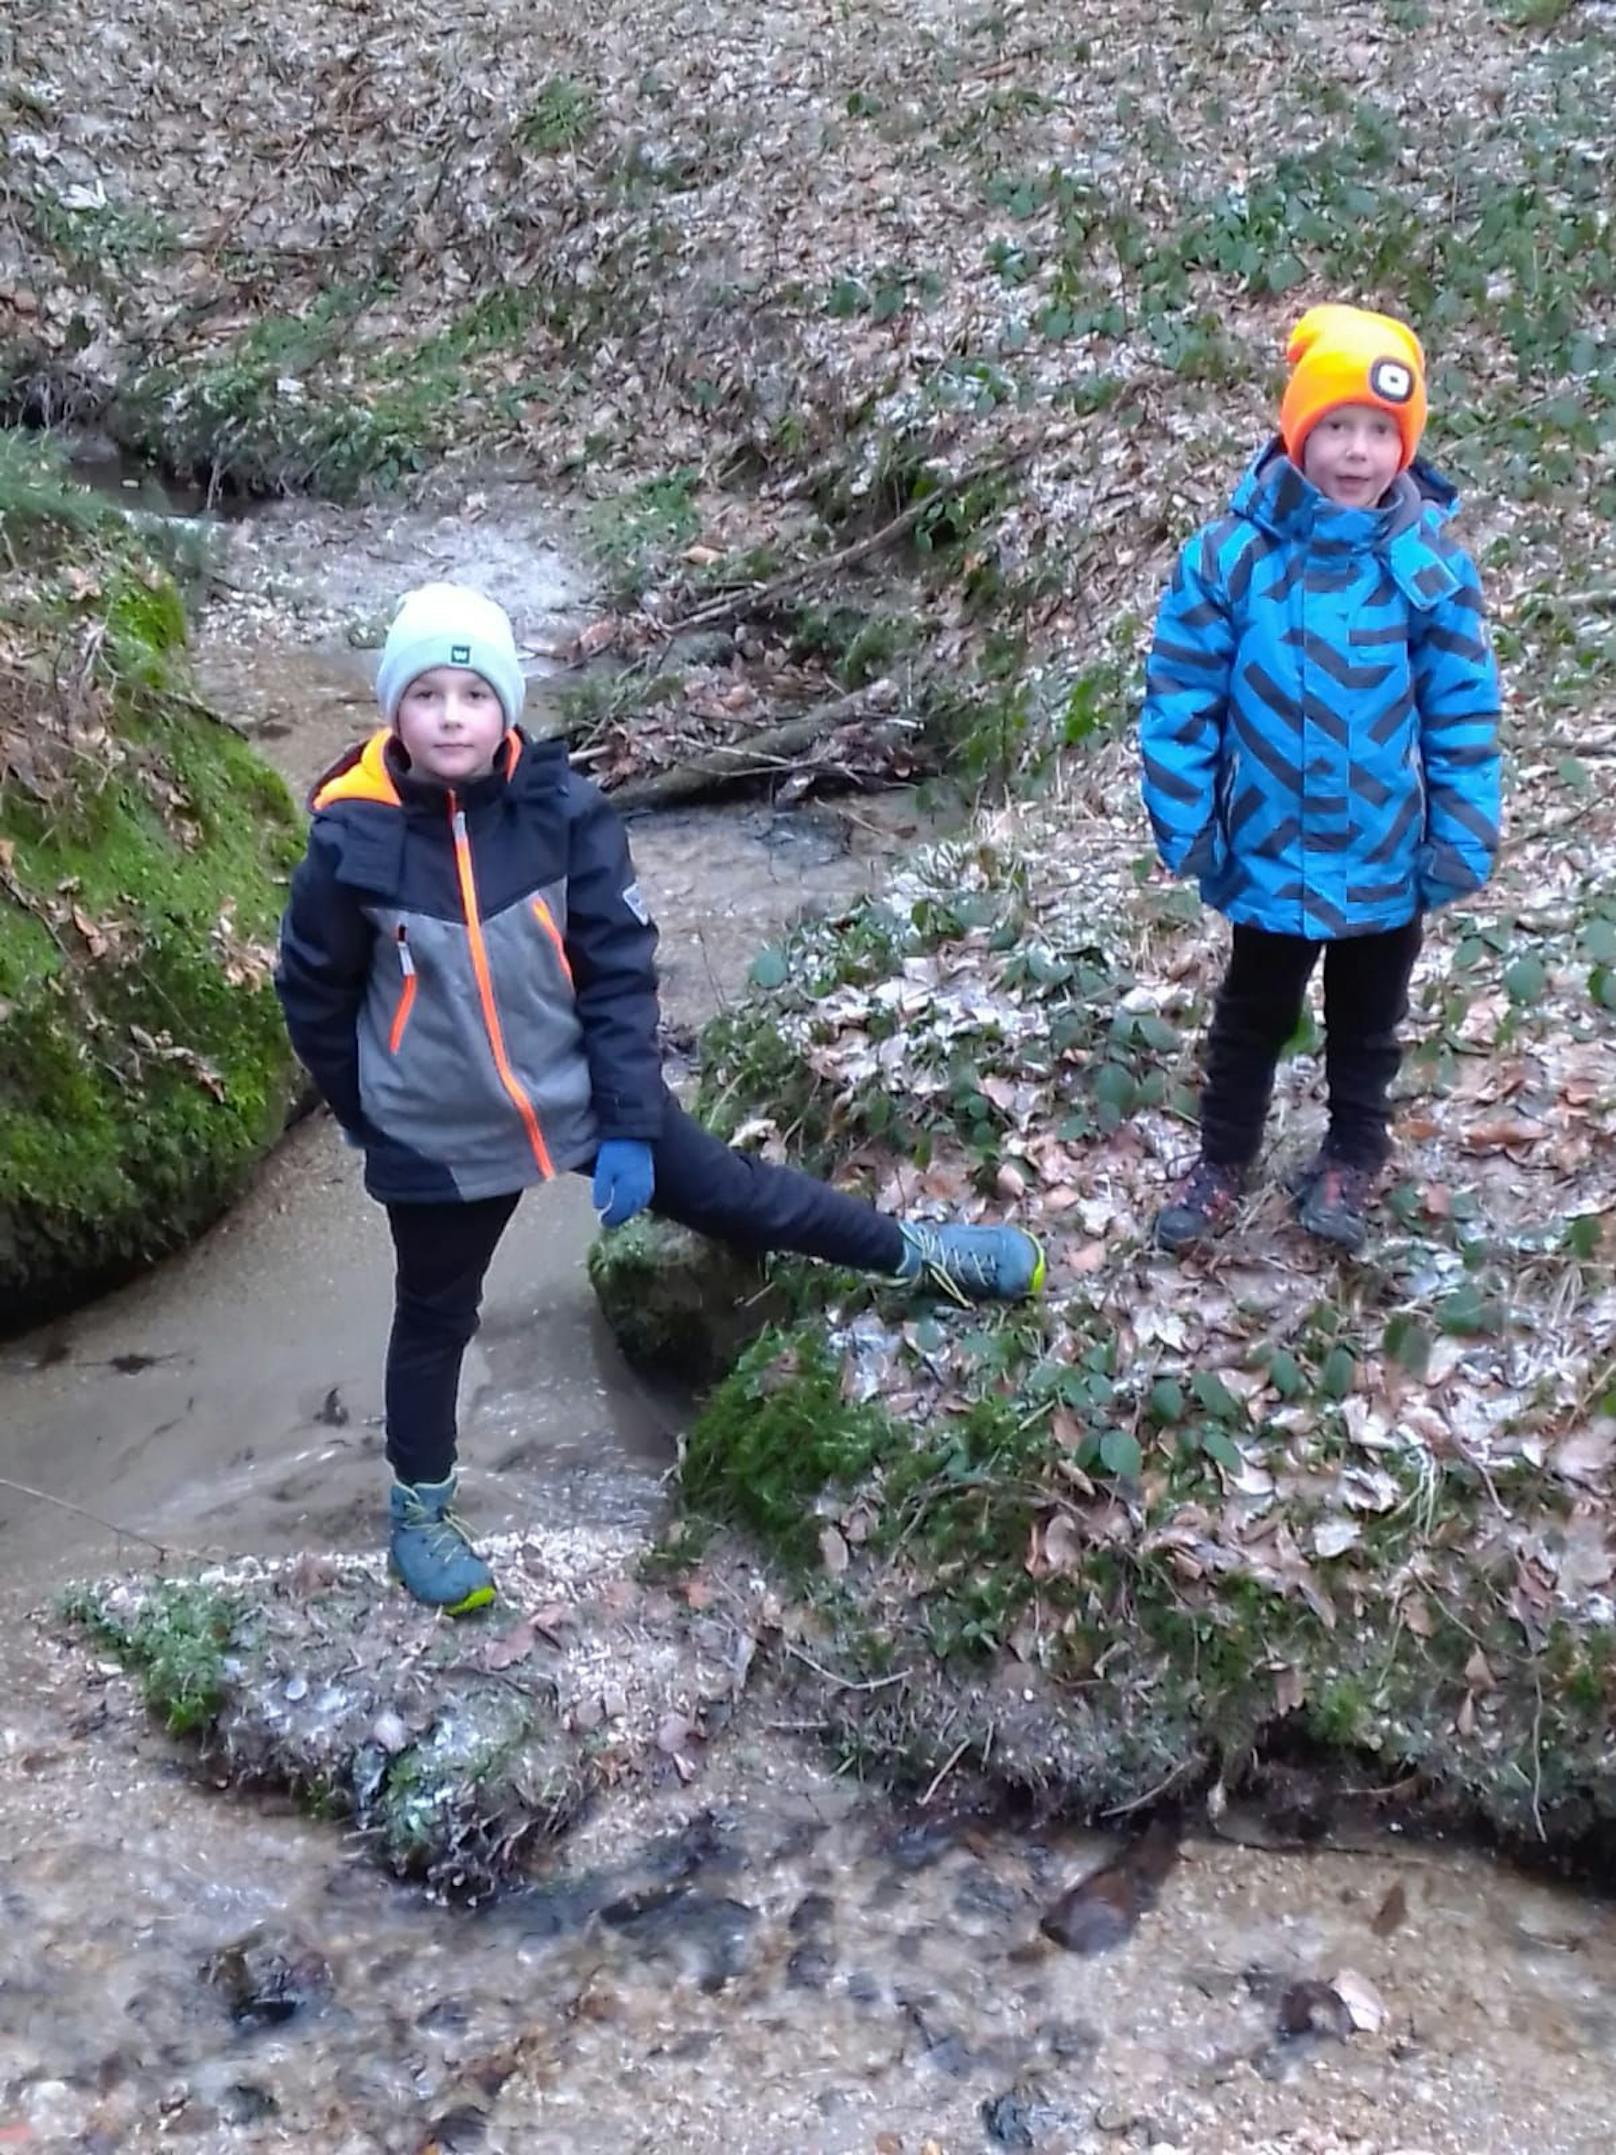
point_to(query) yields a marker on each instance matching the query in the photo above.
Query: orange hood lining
(364, 776)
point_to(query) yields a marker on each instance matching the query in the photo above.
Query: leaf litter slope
(783, 269)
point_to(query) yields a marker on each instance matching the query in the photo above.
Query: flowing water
(773, 1960)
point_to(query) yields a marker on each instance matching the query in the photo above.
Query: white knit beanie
(449, 625)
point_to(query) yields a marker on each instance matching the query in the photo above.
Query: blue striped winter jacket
(1320, 733)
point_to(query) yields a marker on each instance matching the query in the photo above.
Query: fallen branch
(765, 754)
(735, 605)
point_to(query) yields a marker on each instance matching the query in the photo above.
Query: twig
(845, 1683)
(944, 1770)
(734, 605)
(129, 1533)
(1537, 1758)
(1124, 1810)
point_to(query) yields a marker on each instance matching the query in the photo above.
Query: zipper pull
(406, 962)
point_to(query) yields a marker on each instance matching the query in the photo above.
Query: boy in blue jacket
(1320, 748)
(466, 972)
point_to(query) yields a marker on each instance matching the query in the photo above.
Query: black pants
(444, 1251)
(1258, 1009)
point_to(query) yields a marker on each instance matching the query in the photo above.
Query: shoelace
(442, 1532)
(947, 1272)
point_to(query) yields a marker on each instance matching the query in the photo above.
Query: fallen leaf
(389, 1733)
(833, 1551)
(599, 636)
(1478, 1672)
(1314, 2008)
(1362, 2001)
(1391, 1911)
(1334, 1537)
(513, 1646)
(1503, 1133)
(1105, 1908)
(674, 1731)
(1055, 1547)
(1585, 1455)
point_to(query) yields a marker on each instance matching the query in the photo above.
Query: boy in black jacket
(466, 972)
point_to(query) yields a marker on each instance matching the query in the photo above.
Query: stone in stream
(264, 1980)
(1008, 2119)
(1313, 2008)
(457, 2132)
(1104, 1909)
(811, 1966)
(813, 1910)
(245, 2103)
(707, 1933)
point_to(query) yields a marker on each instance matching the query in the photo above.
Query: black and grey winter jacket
(468, 977)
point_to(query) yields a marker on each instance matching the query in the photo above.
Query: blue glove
(624, 1180)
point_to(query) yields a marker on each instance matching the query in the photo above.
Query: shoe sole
(478, 1598)
(1350, 1244)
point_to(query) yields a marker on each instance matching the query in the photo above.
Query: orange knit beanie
(1345, 355)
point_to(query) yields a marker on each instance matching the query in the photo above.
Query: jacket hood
(377, 771)
(1404, 529)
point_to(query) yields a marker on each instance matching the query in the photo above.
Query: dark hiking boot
(1203, 1207)
(430, 1552)
(1333, 1201)
(972, 1264)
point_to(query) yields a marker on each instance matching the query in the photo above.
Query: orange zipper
(406, 1000)
(546, 920)
(485, 989)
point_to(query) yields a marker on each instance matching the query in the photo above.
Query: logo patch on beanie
(1391, 381)
(460, 654)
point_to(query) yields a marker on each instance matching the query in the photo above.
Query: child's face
(1353, 454)
(451, 722)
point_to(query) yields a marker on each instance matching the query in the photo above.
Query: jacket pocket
(406, 996)
(546, 920)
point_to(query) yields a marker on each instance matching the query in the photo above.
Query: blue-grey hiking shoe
(972, 1264)
(430, 1552)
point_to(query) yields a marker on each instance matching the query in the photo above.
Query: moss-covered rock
(679, 1304)
(453, 1752)
(143, 857)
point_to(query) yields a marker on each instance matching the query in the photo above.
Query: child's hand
(624, 1180)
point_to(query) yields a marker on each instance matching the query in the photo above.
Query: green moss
(774, 1435)
(176, 1642)
(143, 1064)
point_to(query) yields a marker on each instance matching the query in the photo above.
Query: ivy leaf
(1120, 1454)
(769, 968)
(1408, 1343)
(1284, 1374)
(1210, 1389)
(1219, 1445)
(1339, 1374)
(1156, 1033)
(1166, 1400)
(1526, 979)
